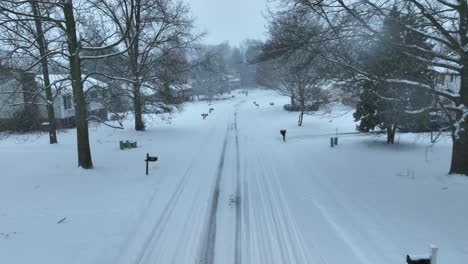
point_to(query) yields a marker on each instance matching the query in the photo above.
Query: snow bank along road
(228, 190)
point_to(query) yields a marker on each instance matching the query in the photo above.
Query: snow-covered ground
(228, 190)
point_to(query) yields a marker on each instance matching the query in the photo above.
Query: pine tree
(382, 105)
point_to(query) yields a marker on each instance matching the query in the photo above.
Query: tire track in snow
(265, 239)
(276, 236)
(292, 246)
(163, 219)
(143, 251)
(266, 222)
(209, 240)
(190, 238)
(245, 207)
(237, 250)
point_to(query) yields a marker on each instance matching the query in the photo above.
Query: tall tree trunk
(301, 117)
(138, 106)
(302, 105)
(459, 164)
(389, 134)
(134, 54)
(391, 131)
(42, 45)
(81, 113)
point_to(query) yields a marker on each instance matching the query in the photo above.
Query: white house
(18, 94)
(447, 80)
(63, 104)
(181, 92)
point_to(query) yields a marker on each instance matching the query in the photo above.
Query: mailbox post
(283, 133)
(149, 159)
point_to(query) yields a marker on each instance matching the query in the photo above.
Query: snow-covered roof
(149, 90)
(328, 85)
(181, 87)
(443, 70)
(449, 63)
(230, 78)
(62, 82)
(325, 85)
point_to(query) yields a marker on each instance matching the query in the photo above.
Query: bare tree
(301, 81)
(23, 36)
(301, 71)
(172, 76)
(63, 18)
(43, 48)
(156, 28)
(210, 71)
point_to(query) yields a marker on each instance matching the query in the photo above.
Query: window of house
(441, 79)
(67, 102)
(452, 78)
(93, 94)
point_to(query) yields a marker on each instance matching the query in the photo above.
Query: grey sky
(231, 20)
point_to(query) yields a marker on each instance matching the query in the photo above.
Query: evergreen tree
(382, 105)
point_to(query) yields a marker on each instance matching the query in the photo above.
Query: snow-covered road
(262, 201)
(228, 206)
(228, 190)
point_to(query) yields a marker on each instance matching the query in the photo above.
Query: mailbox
(149, 159)
(152, 159)
(283, 133)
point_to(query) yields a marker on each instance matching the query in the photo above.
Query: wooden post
(147, 160)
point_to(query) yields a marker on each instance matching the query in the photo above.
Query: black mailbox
(149, 159)
(283, 133)
(152, 159)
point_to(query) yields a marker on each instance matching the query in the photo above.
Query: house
(447, 80)
(23, 95)
(183, 92)
(339, 92)
(175, 92)
(234, 83)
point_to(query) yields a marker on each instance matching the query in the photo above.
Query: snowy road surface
(228, 190)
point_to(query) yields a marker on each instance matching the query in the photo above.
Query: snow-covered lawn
(298, 201)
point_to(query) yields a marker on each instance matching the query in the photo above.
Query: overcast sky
(231, 20)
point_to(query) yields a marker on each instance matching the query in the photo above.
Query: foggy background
(231, 20)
